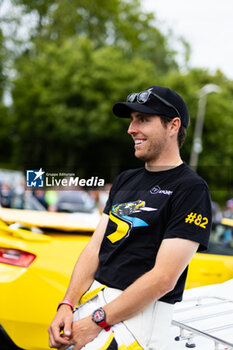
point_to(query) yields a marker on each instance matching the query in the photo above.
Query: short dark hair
(182, 130)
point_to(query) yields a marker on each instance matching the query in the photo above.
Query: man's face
(149, 135)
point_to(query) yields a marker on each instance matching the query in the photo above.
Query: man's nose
(132, 129)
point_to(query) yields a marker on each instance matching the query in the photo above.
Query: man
(134, 268)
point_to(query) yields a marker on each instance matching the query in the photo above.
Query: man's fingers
(51, 341)
(56, 339)
(67, 327)
(59, 342)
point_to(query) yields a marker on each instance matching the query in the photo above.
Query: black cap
(170, 104)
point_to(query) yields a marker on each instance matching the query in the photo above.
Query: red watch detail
(99, 317)
(104, 325)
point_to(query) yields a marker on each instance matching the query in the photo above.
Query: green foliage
(215, 161)
(5, 123)
(117, 22)
(65, 96)
(2, 59)
(81, 58)
(84, 56)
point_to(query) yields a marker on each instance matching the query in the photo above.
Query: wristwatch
(99, 318)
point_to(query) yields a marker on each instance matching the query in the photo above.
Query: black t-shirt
(144, 208)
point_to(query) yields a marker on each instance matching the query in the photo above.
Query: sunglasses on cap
(144, 96)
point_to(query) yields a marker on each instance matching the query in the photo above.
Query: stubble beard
(153, 153)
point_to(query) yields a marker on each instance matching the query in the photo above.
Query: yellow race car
(215, 265)
(38, 251)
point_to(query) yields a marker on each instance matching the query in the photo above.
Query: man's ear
(174, 125)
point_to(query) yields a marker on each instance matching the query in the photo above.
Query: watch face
(98, 315)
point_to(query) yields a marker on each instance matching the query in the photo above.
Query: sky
(207, 25)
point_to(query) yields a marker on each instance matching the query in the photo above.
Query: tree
(81, 57)
(215, 161)
(5, 120)
(81, 52)
(117, 22)
(67, 106)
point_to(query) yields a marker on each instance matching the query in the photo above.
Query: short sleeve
(190, 215)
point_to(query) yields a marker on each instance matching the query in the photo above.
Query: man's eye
(143, 119)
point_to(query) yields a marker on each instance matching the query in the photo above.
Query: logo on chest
(157, 190)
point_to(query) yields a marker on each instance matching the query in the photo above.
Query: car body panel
(61, 221)
(29, 296)
(35, 292)
(206, 269)
(215, 265)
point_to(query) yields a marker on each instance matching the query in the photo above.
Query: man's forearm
(136, 297)
(86, 266)
(153, 284)
(83, 275)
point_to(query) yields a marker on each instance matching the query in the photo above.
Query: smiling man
(134, 268)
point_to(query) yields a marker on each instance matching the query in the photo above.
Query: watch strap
(104, 325)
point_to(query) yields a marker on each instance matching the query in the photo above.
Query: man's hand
(61, 322)
(83, 332)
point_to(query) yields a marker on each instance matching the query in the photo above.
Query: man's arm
(86, 266)
(172, 259)
(81, 279)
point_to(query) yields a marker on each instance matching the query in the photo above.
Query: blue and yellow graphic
(119, 214)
